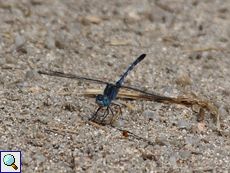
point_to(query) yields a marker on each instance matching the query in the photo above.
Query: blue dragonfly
(111, 90)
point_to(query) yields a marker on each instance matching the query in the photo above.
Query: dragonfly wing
(151, 95)
(72, 76)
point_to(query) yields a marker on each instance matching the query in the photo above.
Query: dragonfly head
(102, 100)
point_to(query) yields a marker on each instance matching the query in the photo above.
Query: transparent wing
(150, 95)
(72, 76)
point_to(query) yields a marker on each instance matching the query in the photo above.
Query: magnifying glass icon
(9, 160)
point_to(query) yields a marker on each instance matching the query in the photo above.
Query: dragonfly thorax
(102, 100)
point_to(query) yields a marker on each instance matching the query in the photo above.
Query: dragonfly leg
(105, 114)
(112, 115)
(118, 106)
(95, 115)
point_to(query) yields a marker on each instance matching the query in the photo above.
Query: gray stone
(31, 74)
(185, 154)
(211, 146)
(149, 115)
(45, 120)
(201, 147)
(190, 141)
(50, 42)
(184, 125)
(29, 50)
(223, 113)
(48, 145)
(26, 160)
(157, 15)
(118, 123)
(39, 158)
(212, 127)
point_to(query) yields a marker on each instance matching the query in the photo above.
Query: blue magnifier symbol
(9, 160)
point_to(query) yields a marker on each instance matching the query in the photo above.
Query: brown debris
(119, 43)
(93, 19)
(183, 81)
(201, 115)
(69, 107)
(146, 156)
(125, 134)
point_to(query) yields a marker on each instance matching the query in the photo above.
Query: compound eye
(99, 97)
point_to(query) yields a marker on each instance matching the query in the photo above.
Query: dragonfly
(111, 90)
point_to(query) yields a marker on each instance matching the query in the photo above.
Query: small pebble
(184, 131)
(50, 43)
(11, 60)
(19, 40)
(195, 55)
(85, 21)
(159, 139)
(45, 120)
(24, 90)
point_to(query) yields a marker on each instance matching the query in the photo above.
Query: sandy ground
(45, 117)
